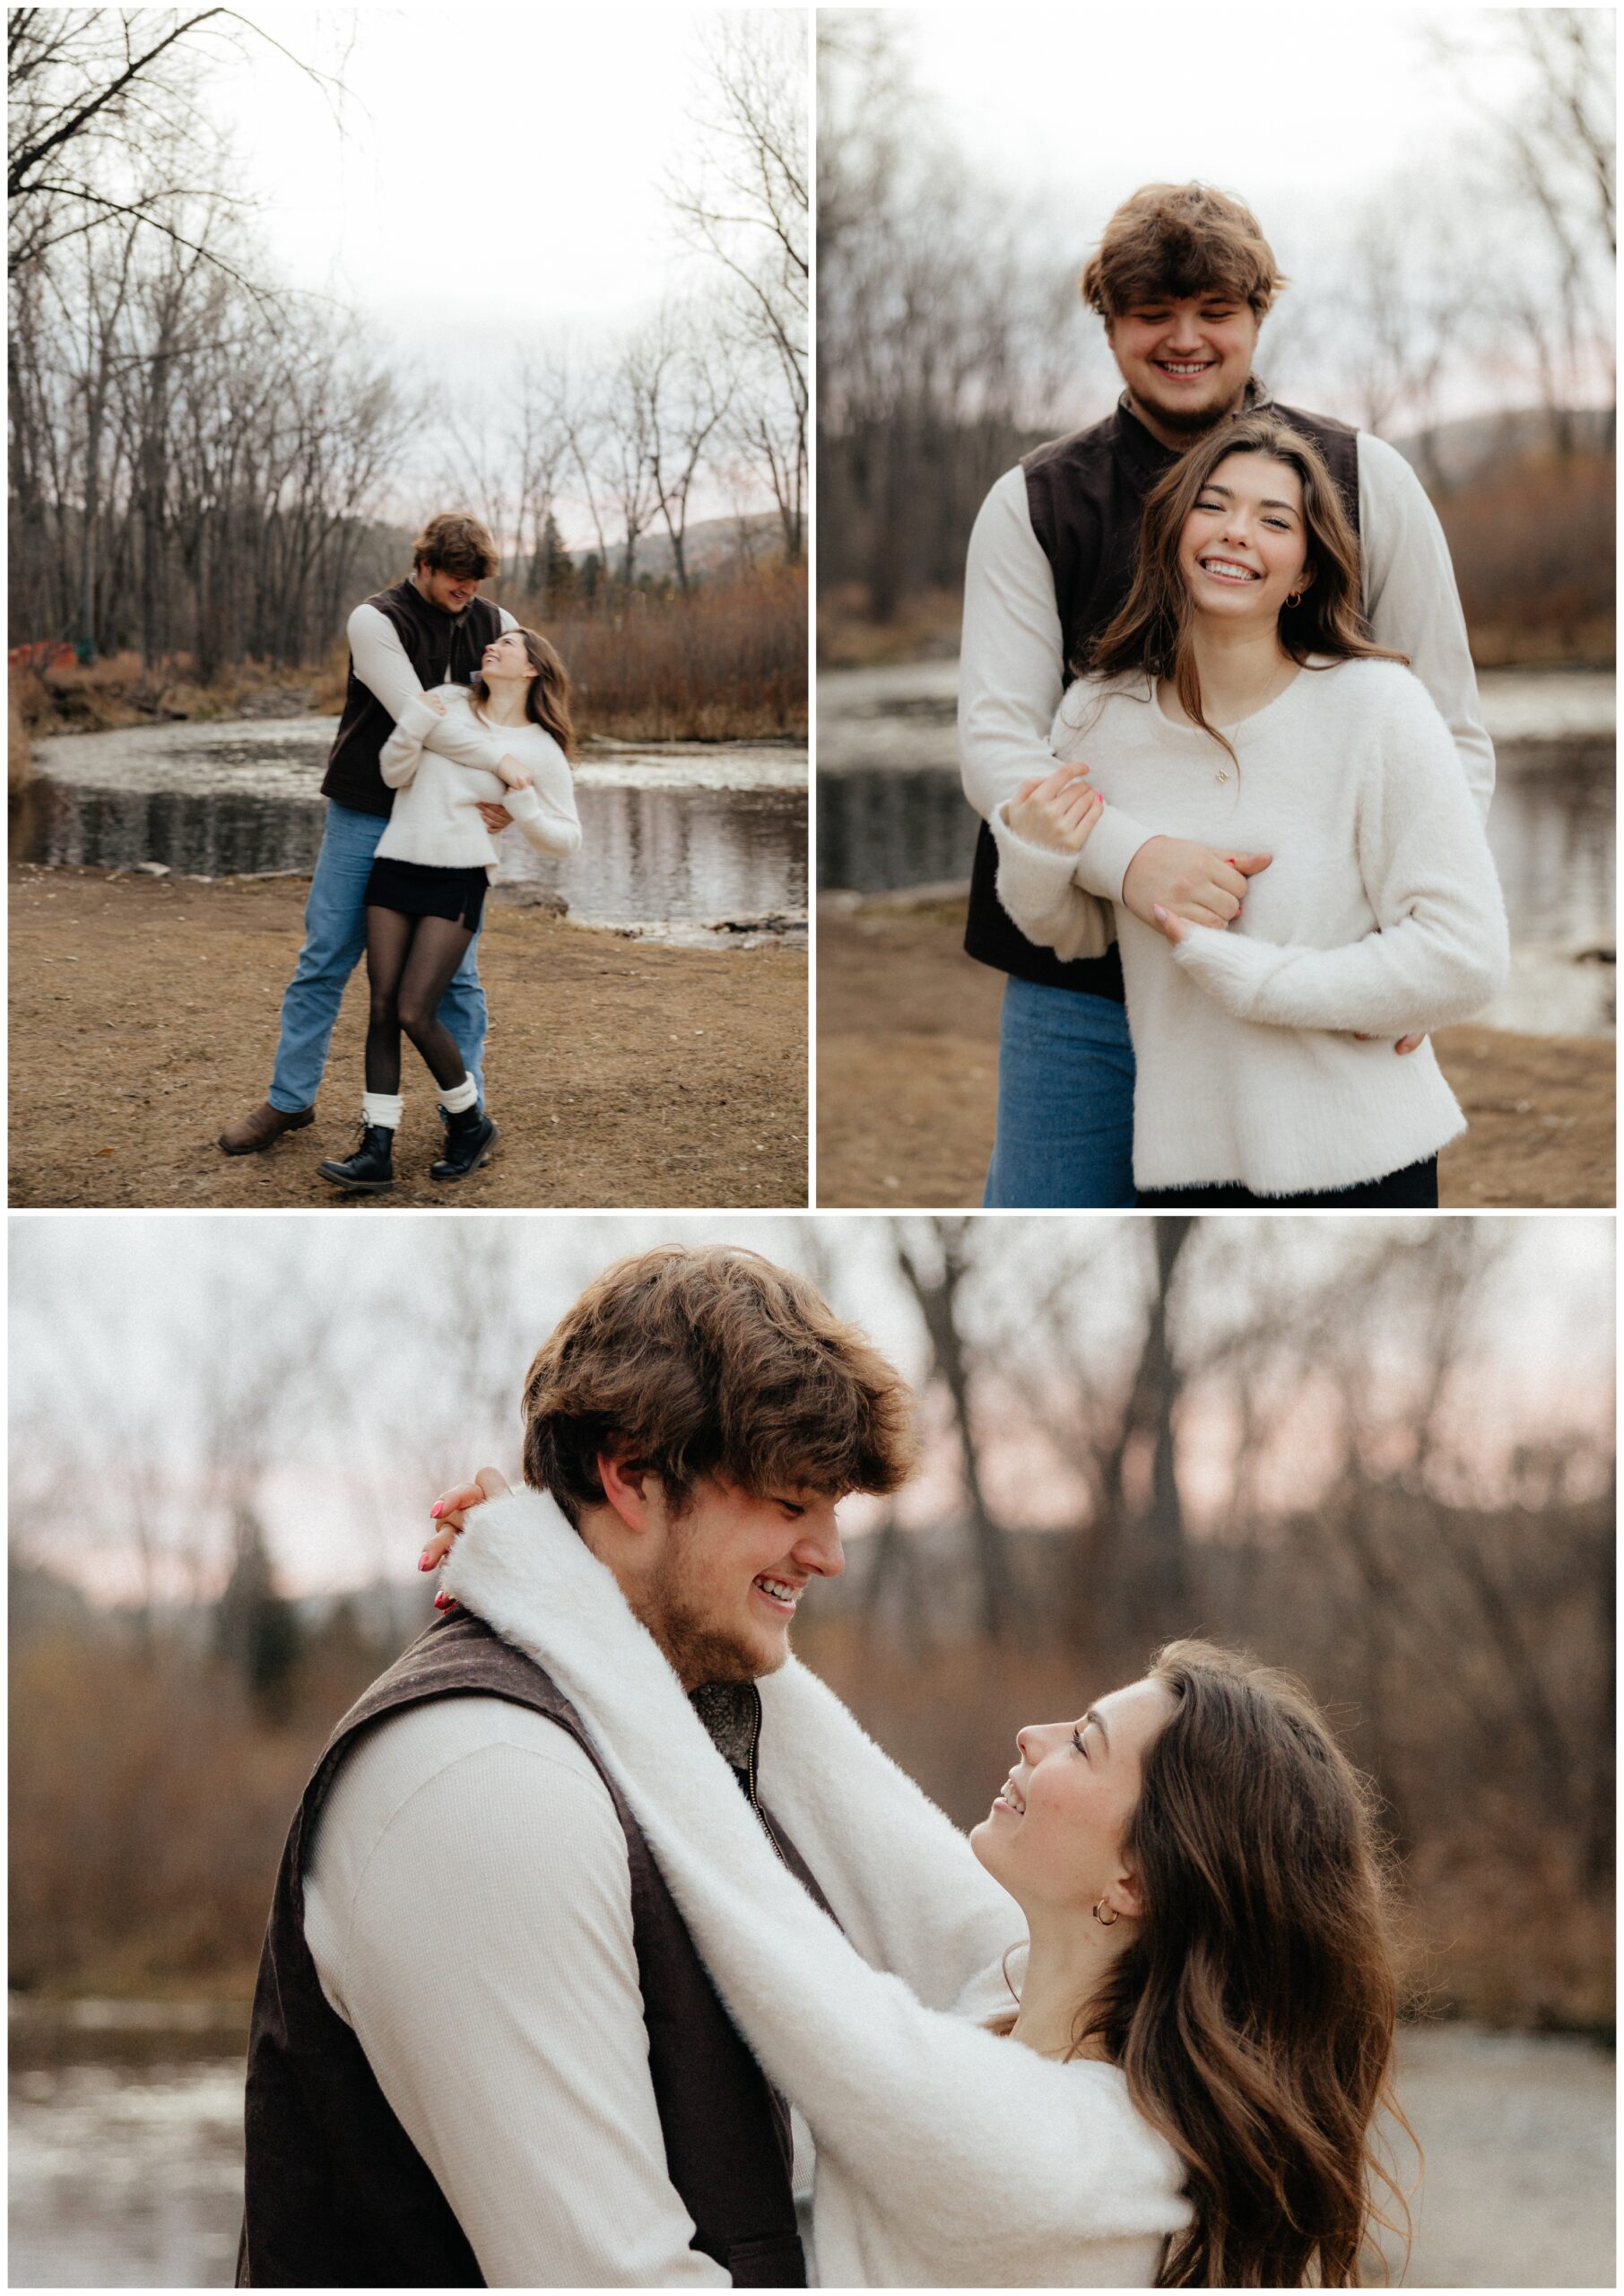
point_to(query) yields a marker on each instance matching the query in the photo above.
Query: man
(483, 2045)
(430, 629)
(1183, 279)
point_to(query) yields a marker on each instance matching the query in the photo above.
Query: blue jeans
(1065, 1103)
(335, 939)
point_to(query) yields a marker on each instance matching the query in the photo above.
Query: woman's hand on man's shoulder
(449, 1513)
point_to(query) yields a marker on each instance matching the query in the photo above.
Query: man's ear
(626, 1488)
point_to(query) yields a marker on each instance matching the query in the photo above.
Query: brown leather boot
(258, 1130)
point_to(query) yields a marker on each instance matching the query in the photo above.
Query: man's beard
(1194, 421)
(698, 1650)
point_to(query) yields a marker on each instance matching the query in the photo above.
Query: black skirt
(413, 889)
(1414, 1190)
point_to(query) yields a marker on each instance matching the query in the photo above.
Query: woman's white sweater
(946, 2156)
(435, 820)
(1380, 912)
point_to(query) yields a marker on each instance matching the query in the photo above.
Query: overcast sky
(133, 1332)
(498, 171)
(493, 183)
(1298, 117)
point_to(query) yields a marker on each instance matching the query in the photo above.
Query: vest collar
(1149, 452)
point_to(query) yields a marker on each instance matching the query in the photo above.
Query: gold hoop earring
(1295, 599)
(1101, 1919)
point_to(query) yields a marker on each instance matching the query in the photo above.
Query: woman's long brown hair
(1153, 627)
(547, 697)
(1254, 2014)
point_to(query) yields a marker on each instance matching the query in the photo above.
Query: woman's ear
(1126, 1893)
(1305, 580)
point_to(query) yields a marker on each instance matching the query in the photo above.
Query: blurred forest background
(209, 467)
(1460, 305)
(1377, 1452)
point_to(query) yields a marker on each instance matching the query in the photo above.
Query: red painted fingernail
(443, 1601)
(437, 1511)
(425, 1561)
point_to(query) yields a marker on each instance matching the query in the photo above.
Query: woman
(1236, 699)
(1184, 2090)
(426, 893)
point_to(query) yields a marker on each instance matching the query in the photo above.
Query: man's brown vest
(443, 649)
(1085, 494)
(336, 2193)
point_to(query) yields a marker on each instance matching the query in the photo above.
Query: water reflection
(126, 2157)
(678, 835)
(1551, 830)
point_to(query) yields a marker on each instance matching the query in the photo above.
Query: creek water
(892, 816)
(126, 2151)
(679, 840)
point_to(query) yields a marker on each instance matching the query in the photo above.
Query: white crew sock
(382, 1107)
(460, 1097)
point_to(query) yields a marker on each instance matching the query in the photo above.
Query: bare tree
(746, 208)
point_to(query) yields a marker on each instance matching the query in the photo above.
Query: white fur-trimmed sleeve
(1441, 948)
(983, 2163)
(1036, 886)
(906, 1887)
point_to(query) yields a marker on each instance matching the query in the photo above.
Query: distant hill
(1464, 449)
(384, 552)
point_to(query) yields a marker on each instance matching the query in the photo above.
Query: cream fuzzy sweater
(435, 820)
(1381, 913)
(946, 2157)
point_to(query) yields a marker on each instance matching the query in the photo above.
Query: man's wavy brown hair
(1181, 238)
(1253, 2014)
(455, 542)
(711, 1361)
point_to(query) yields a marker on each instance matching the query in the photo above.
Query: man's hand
(1058, 810)
(451, 1510)
(430, 702)
(495, 817)
(1188, 881)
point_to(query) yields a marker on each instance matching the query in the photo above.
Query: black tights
(409, 962)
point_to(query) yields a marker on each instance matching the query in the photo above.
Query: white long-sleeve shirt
(1011, 663)
(947, 2157)
(384, 668)
(468, 1908)
(441, 768)
(1381, 912)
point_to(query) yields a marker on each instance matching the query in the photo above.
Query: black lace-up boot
(469, 1139)
(370, 1169)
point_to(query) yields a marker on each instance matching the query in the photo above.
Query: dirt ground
(907, 1065)
(144, 1015)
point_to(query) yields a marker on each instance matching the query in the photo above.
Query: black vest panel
(443, 649)
(335, 2194)
(1085, 495)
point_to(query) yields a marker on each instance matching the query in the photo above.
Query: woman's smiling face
(1054, 1834)
(1244, 545)
(506, 656)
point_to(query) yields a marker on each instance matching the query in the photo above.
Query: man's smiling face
(720, 1586)
(1187, 359)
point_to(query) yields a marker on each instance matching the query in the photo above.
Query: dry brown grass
(924, 629)
(726, 664)
(19, 746)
